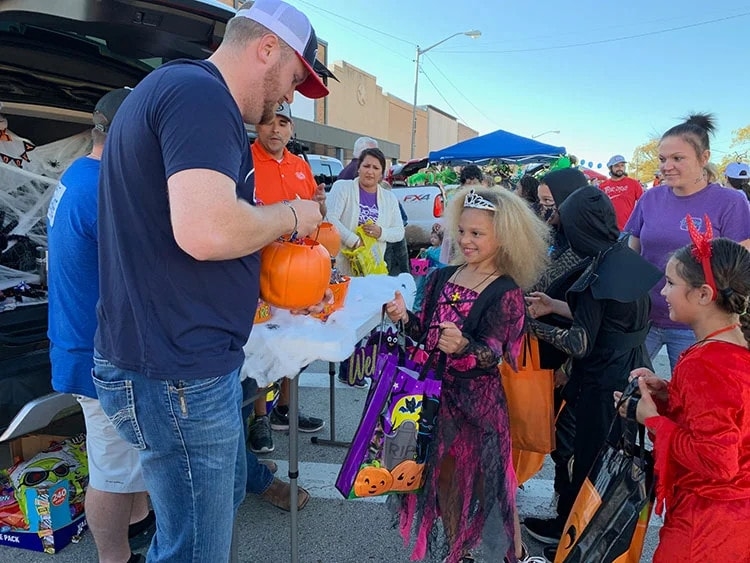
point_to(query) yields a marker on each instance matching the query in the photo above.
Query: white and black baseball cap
(295, 29)
(738, 171)
(284, 110)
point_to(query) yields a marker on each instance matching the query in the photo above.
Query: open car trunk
(56, 60)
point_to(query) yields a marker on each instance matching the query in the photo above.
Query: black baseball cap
(107, 107)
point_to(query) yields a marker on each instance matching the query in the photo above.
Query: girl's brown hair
(730, 263)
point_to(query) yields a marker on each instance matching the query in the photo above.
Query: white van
(325, 168)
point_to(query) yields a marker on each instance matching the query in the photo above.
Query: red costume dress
(702, 449)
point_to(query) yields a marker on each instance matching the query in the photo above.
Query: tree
(739, 148)
(645, 161)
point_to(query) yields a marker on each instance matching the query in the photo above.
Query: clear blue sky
(608, 75)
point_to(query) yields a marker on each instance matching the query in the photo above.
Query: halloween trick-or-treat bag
(530, 395)
(367, 259)
(361, 364)
(610, 515)
(391, 444)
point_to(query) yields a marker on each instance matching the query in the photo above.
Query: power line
(610, 28)
(384, 46)
(432, 62)
(602, 41)
(439, 93)
(315, 7)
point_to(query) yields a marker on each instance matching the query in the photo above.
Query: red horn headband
(702, 250)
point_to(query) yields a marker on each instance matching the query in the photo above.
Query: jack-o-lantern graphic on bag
(392, 441)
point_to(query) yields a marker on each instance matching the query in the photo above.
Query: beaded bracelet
(294, 212)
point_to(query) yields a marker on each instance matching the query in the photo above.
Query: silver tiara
(476, 201)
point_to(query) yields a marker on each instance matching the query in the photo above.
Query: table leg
(294, 464)
(332, 406)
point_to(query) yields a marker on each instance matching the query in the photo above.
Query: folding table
(286, 343)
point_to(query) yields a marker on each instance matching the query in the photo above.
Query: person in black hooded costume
(609, 306)
(564, 269)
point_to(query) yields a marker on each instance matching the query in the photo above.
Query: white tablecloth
(286, 343)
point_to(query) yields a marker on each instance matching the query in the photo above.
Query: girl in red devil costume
(700, 421)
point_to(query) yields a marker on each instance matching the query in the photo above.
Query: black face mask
(547, 213)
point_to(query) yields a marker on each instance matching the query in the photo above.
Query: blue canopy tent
(499, 145)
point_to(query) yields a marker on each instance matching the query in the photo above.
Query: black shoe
(259, 437)
(141, 532)
(549, 553)
(280, 421)
(545, 530)
(137, 558)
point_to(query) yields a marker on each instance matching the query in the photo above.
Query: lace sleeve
(572, 341)
(498, 335)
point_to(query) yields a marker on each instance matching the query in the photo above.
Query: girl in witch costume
(474, 313)
(608, 306)
(700, 420)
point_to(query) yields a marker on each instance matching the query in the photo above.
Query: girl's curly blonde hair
(524, 237)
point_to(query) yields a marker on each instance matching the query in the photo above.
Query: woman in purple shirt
(657, 226)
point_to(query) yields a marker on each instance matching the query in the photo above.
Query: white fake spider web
(25, 190)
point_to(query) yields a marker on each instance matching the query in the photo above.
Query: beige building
(358, 106)
(357, 103)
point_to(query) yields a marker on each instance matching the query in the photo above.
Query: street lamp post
(544, 133)
(474, 33)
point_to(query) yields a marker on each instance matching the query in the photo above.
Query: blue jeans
(259, 477)
(676, 340)
(189, 437)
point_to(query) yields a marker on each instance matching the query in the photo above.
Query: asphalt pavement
(331, 529)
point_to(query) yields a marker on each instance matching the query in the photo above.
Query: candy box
(41, 498)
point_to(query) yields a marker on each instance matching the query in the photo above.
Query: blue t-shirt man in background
(116, 500)
(179, 272)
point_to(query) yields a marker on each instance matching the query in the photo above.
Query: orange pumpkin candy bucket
(339, 291)
(328, 235)
(294, 274)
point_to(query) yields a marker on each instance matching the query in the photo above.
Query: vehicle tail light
(438, 206)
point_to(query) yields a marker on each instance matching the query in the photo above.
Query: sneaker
(141, 532)
(280, 421)
(359, 384)
(259, 436)
(545, 530)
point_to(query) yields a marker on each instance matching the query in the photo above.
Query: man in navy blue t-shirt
(179, 269)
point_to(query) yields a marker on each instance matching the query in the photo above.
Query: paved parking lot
(332, 530)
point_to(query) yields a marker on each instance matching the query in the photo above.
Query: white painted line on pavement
(321, 380)
(319, 478)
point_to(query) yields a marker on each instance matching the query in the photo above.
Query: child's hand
(656, 386)
(396, 309)
(451, 339)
